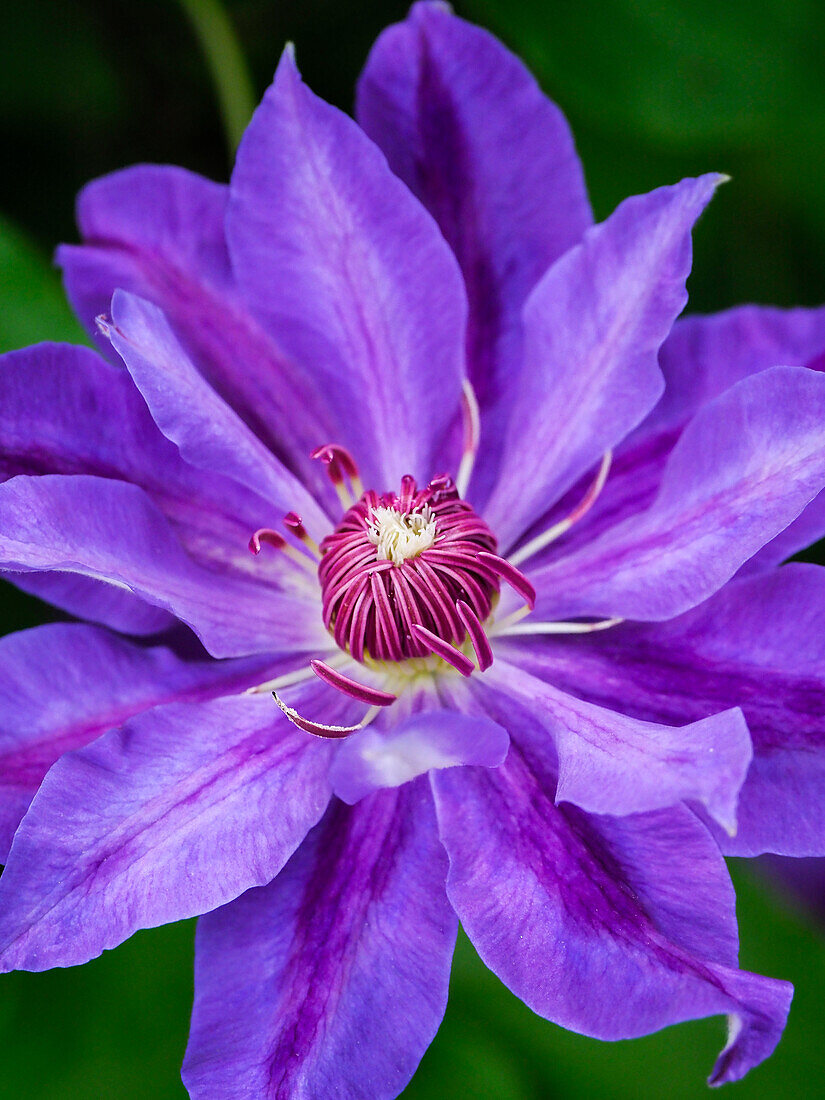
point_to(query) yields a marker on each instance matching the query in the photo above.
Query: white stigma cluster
(401, 535)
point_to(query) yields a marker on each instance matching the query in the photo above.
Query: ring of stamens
(398, 562)
(412, 577)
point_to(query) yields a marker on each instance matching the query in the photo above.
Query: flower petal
(111, 531)
(158, 231)
(758, 644)
(351, 275)
(593, 328)
(374, 759)
(63, 410)
(467, 128)
(701, 359)
(64, 684)
(180, 811)
(95, 601)
(332, 980)
(704, 356)
(612, 927)
(208, 433)
(745, 467)
(612, 764)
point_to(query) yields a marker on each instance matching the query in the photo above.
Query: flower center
(400, 563)
(401, 535)
(410, 575)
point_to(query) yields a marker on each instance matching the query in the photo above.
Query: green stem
(233, 85)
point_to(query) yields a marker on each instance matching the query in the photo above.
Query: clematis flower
(515, 586)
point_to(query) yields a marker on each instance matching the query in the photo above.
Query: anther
(350, 687)
(294, 523)
(514, 577)
(478, 637)
(268, 536)
(320, 729)
(340, 465)
(444, 650)
(277, 541)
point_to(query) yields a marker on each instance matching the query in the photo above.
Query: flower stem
(233, 84)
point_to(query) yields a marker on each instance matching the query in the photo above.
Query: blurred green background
(654, 91)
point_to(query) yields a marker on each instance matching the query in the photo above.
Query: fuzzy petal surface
(466, 126)
(592, 331)
(352, 276)
(180, 811)
(332, 980)
(612, 927)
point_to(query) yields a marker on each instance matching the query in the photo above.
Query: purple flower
(516, 537)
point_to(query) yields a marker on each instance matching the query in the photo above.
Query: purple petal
(62, 685)
(612, 927)
(332, 980)
(467, 128)
(704, 356)
(159, 232)
(701, 358)
(351, 275)
(612, 764)
(111, 531)
(745, 467)
(374, 759)
(95, 601)
(63, 410)
(758, 644)
(593, 328)
(209, 434)
(181, 810)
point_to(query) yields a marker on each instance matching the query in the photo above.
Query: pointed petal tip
(753, 1037)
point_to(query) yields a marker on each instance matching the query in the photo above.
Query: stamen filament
(296, 677)
(558, 529)
(472, 435)
(556, 628)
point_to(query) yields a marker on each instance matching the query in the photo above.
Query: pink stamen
(319, 729)
(340, 464)
(364, 694)
(581, 510)
(371, 604)
(475, 629)
(294, 523)
(472, 436)
(444, 650)
(514, 577)
(270, 537)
